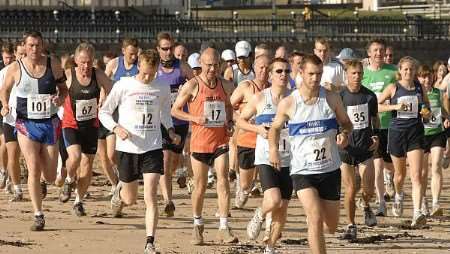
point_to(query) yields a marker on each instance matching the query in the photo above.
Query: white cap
(346, 54)
(194, 60)
(243, 48)
(228, 55)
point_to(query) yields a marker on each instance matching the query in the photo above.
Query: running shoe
(232, 175)
(17, 196)
(445, 162)
(3, 178)
(381, 211)
(389, 186)
(425, 210)
(397, 207)
(9, 187)
(43, 189)
(78, 209)
(256, 190)
(419, 220)
(269, 250)
(197, 234)
(437, 211)
(255, 224)
(169, 209)
(116, 202)
(66, 192)
(150, 249)
(225, 235)
(241, 199)
(369, 218)
(39, 223)
(181, 182)
(350, 232)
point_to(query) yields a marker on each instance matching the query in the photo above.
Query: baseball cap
(346, 54)
(228, 55)
(193, 60)
(243, 48)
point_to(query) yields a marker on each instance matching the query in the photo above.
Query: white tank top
(239, 76)
(265, 117)
(312, 132)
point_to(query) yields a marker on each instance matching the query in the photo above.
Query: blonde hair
(150, 57)
(87, 47)
(406, 59)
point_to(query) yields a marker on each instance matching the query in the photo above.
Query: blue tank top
(174, 79)
(414, 99)
(122, 71)
(34, 94)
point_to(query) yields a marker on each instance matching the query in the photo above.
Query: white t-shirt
(142, 108)
(11, 117)
(333, 73)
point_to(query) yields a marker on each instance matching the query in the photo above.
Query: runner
(7, 51)
(246, 140)
(143, 104)
(313, 116)
(409, 104)
(333, 71)
(122, 66)
(80, 123)
(210, 114)
(389, 56)
(281, 52)
(377, 76)
(172, 73)
(295, 59)
(180, 52)
(434, 141)
(276, 184)
(9, 131)
(440, 82)
(263, 49)
(229, 57)
(37, 125)
(361, 106)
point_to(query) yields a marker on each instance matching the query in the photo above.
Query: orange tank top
(209, 102)
(247, 138)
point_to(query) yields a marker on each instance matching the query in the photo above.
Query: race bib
(38, 106)
(214, 112)
(435, 119)
(318, 153)
(146, 116)
(412, 110)
(86, 109)
(359, 115)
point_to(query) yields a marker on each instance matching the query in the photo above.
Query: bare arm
(386, 95)
(342, 118)
(186, 93)
(111, 67)
(187, 71)
(228, 74)
(229, 89)
(60, 78)
(11, 75)
(103, 81)
(247, 113)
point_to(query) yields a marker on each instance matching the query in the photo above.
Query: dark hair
(8, 48)
(424, 70)
(353, 63)
(150, 57)
(276, 60)
(377, 41)
(312, 59)
(163, 36)
(33, 34)
(130, 42)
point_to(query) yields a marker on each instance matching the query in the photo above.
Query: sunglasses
(279, 71)
(165, 49)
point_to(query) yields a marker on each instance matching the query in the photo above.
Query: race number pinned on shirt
(146, 116)
(412, 109)
(214, 112)
(39, 106)
(359, 115)
(436, 118)
(86, 109)
(317, 153)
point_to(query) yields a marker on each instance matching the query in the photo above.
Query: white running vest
(238, 76)
(312, 132)
(265, 117)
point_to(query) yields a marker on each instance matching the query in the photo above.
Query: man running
(377, 76)
(333, 71)
(295, 59)
(9, 132)
(143, 104)
(173, 73)
(180, 52)
(37, 124)
(313, 116)
(210, 114)
(124, 65)
(246, 140)
(80, 123)
(276, 184)
(361, 106)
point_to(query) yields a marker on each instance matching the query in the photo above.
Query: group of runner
(294, 125)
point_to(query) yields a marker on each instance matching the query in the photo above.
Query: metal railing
(110, 27)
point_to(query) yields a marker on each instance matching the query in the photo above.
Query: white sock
(398, 196)
(78, 199)
(198, 220)
(38, 213)
(223, 223)
(17, 188)
(435, 202)
(69, 179)
(417, 213)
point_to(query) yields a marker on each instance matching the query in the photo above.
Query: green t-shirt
(377, 81)
(434, 124)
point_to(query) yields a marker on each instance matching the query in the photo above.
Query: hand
(401, 107)
(176, 139)
(101, 100)
(342, 140)
(200, 120)
(425, 113)
(57, 100)
(263, 130)
(5, 110)
(230, 128)
(274, 159)
(121, 132)
(375, 142)
(446, 124)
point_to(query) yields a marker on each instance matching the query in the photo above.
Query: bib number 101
(39, 106)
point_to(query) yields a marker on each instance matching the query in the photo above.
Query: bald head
(209, 61)
(210, 53)
(261, 68)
